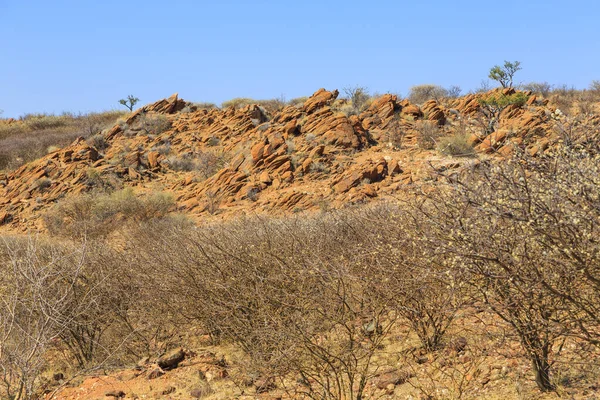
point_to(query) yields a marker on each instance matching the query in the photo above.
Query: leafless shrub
(154, 124)
(456, 145)
(540, 88)
(595, 86)
(281, 322)
(526, 248)
(318, 166)
(421, 93)
(205, 163)
(394, 134)
(270, 106)
(578, 137)
(586, 105)
(428, 134)
(298, 101)
(181, 163)
(20, 149)
(37, 122)
(93, 123)
(98, 141)
(96, 215)
(42, 184)
(99, 308)
(33, 312)
(204, 105)
(453, 92)
(252, 194)
(72, 300)
(273, 105)
(238, 102)
(213, 201)
(484, 86)
(358, 96)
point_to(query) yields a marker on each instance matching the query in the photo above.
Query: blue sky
(84, 55)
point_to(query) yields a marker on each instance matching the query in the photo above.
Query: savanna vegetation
(327, 299)
(482, 282)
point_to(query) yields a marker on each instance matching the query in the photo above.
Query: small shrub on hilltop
(129, 102)
(358, 96)
(204, 105)
(421, 93)
(484, 86)
(93, 123)
(505, 74)
(238, 102)
(298, 101)
(271, 105)
(541, 88)
(453, 92)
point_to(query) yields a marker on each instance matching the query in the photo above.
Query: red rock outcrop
(243, 160)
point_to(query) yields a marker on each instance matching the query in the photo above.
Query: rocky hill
(221, 162)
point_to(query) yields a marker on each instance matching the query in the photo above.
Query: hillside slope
(223, 162)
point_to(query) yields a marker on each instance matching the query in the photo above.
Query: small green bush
(129, 102)
(505, 74)
(492, 106)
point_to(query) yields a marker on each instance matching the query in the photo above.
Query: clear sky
(84, 55)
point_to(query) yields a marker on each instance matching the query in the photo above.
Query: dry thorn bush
(98, 214)
(428, 134)
(528, 249)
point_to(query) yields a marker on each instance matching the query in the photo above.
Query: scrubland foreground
(325, 249)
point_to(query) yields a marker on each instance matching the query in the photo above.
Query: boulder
(319, 99)
(393, 378)
(412, 111)
(171, 359)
